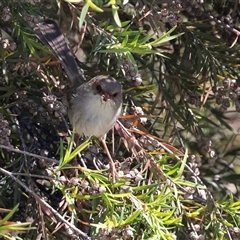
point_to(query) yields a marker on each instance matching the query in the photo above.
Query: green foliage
(69, 155)
(9, 229)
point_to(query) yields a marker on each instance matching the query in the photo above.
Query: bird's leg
(111, 163)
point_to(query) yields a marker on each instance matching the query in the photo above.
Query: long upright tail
(49, 34)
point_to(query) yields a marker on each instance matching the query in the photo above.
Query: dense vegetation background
(176, 145)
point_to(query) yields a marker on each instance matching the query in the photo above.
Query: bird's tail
(50, 35)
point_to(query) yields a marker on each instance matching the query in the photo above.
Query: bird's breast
(94, 115)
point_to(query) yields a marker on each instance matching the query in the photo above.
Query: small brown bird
(94, 106)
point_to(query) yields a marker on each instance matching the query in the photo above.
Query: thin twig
(29, 154)
(78, 231)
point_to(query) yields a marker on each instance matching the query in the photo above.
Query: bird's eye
(99, 88)
(115, 94)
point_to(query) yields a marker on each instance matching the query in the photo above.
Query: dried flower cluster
(229, 91)
(194, 98)
(206, 146)
(4, 131)
(125, 233)
(169, 13)
(131, 73)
